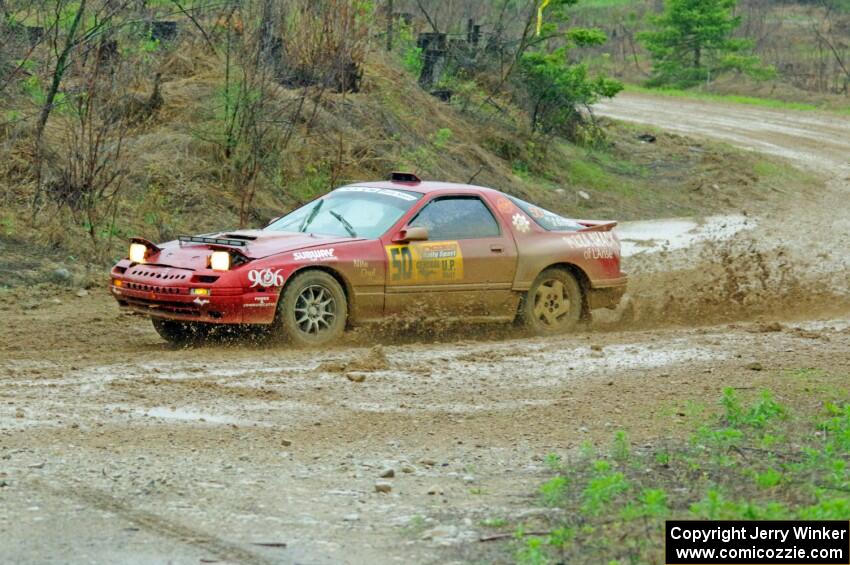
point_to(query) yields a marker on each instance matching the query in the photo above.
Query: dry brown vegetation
(245, 112)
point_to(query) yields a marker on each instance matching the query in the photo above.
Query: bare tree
(279, 48)
(88, 171)
(89, 23)
(836, 44)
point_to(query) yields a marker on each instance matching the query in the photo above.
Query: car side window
(457, 217)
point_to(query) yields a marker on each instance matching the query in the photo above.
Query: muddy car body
(373, 250)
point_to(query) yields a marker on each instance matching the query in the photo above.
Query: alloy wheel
(315, 309)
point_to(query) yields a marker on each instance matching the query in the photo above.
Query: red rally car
(373, 250)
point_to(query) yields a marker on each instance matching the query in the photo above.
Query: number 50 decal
(401, 263)
(426, 262)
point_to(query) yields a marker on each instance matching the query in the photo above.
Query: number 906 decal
(425, 262)
(265, 277)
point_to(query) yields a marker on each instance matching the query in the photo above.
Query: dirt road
(116, 448)
(791, 259)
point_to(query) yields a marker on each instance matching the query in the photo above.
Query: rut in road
(155, 524)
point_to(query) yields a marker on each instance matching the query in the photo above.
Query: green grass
(768, 168)
(752, 457)
(599, 170)
(737, 99)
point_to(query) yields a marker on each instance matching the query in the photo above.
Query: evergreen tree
(556, 89)
(692, 42)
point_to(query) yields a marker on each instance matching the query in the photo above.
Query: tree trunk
(534, 114)
(58, 74)
(389, 25)
(59, 71)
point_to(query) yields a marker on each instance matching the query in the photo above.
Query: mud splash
(738, 279)
(790, 264)
(655, 236)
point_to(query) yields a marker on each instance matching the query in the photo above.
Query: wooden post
(390, 25)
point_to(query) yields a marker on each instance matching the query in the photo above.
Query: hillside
(175, 172)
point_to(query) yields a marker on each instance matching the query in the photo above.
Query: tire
(180, 333)
(312, 310)
(553, 304)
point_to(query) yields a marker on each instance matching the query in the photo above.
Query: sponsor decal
(425, 262)
(364, 268)
(260, 302)
(521, 223)
(315, 255)
(200, 301)
(595, 245)
(381, 191)
(265, 277)
(536, 212)
(559, 221)
(504, 205)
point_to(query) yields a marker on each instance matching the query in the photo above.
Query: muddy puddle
(654, 236)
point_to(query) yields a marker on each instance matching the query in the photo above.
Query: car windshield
(350, 211)
(549, 221)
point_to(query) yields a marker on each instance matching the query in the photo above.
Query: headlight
(138, 252)
(220, 261)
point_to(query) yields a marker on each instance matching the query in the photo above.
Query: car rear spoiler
(597, 225)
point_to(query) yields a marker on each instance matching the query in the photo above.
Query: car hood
(258, 244)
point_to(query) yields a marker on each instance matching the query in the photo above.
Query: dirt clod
(768, 327)
(374, 360)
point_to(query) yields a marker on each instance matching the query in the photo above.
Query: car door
(464, 269)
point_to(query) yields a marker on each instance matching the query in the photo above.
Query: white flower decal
(521, 223)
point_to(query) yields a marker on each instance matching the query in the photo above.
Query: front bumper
(607, 293)
(175, 301)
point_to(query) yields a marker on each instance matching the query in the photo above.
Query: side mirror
(411, 234)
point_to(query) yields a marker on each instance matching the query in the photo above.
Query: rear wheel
(312, 310)
(180, 333)
(553, 304)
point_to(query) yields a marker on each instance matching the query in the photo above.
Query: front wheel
(553, 304)
(179, 333)
(312, 310)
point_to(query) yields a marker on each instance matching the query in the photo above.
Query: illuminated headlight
(138, 252)
(220, 261)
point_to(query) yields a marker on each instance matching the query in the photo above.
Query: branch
(478, 172)
(196, 24)
(427, 17)
(835, 53)
(497, 537)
